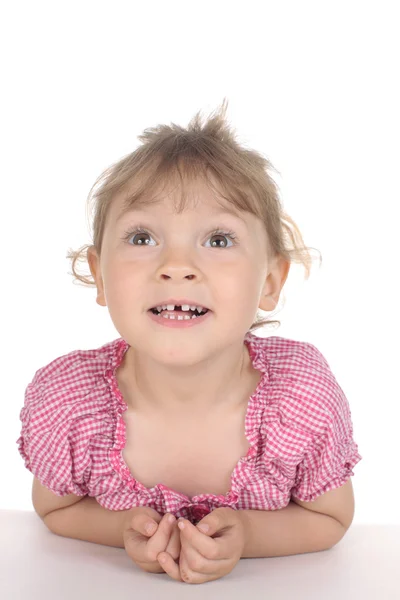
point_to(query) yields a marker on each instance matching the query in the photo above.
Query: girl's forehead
(201, 201)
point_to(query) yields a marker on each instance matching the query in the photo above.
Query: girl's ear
(94, 265)
(278, 273)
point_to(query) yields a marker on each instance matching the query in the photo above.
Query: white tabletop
(36, 564)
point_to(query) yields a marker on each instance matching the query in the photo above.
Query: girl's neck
(147, 386)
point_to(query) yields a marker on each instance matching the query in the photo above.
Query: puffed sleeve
(331, 454)
(53, 440)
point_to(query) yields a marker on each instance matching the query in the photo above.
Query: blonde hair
(191, 153)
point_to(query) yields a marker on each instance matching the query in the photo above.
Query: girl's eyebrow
(216, 212)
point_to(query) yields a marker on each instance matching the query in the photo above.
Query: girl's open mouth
(179, 318)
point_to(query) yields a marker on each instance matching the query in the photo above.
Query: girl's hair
(168, 151)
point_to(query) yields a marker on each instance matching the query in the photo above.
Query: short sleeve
(330, 457)
(53, 445)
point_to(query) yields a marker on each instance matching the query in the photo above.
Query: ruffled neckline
(242, 472)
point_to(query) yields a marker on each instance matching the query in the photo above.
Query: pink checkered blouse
(298, 424)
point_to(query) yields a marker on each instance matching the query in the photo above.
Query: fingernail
(171, 518)
(150, 527)
(204, 528)
(162, 559)
(181, 524)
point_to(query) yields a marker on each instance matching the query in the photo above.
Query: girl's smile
(178, 318)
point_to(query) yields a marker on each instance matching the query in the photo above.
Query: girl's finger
(169, 566)
(189, 575)
(174, 545)
(158, 542)
(192, 561)
(140, 519)
(205, 545)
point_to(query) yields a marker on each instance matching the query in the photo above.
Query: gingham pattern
(298, 424)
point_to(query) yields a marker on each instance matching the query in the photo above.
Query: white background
(314, 86)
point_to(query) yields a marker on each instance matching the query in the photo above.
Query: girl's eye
(141, 233)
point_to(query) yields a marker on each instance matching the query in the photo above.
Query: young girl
(189, 413)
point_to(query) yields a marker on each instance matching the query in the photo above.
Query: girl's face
(181, 256)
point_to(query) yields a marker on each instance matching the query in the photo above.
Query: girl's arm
(44, 501)
(88, 521)
(290, 530)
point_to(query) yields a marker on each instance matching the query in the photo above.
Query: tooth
(185, 307)
(178, 317)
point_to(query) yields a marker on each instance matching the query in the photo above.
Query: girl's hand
(144, 546)
(208, 556)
